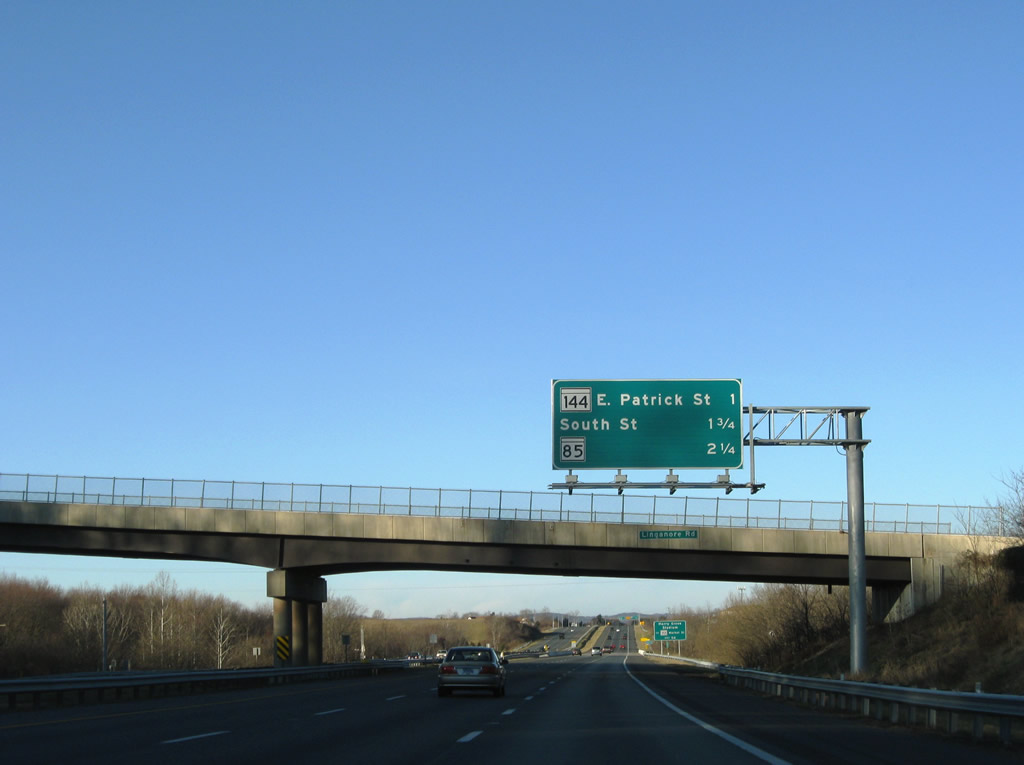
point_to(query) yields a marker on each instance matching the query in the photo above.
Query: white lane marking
(329, 712)
(395, 697)
(193, 738)
(528, 698)
(469, 737)
(748, 748)
(509, 712)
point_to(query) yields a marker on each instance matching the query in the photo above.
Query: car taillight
(448, 669)
(489, 669)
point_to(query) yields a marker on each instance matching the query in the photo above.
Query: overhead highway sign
(642, 424)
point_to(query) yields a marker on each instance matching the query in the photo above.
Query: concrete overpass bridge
(300, 540)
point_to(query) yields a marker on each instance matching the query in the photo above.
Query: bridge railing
(677, 510)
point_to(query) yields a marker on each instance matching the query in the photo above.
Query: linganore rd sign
(641, 424)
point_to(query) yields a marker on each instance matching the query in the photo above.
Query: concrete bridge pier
(896, 602)
(298, 617)
(886, 603)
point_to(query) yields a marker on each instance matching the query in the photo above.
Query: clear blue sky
(354, 242)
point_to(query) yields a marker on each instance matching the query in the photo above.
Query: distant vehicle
(471, 668)
(576, 651)
(623, 646)
(414, 656)
(607, 649)
(440, 654)
(595, 651)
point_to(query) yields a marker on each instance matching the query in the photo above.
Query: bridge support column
(298, 617)
(315, 637)
(928, 579)
(300, 633)
(887, 603)
(282, 632)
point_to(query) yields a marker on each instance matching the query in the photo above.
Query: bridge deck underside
(326, 556)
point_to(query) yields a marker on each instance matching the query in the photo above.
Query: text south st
(625, 423)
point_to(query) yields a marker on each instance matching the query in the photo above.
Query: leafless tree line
(153, 627)
(160, 627)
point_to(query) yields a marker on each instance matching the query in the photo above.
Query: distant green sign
(674, 534)
(672, 630)
(646, 424)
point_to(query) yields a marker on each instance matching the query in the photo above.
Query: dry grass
(973, 635)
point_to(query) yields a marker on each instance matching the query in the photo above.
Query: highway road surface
(584, 708)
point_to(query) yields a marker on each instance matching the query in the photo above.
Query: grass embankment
(943, 647)
(971, 635)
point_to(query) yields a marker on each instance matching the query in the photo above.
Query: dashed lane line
(193, 738)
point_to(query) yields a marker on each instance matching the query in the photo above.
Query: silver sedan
(471, 668)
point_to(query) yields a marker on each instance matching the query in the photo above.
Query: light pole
(105, 668)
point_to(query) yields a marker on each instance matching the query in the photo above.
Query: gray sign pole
(104, 668)
(858, 565)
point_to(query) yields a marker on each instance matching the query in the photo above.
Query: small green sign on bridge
(669, 534)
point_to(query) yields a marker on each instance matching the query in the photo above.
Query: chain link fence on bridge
(501, 504)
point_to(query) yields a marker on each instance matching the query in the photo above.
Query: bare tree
(162, 594)
(341, 617)
(1009, 516)
(124, 615)
(83, 626)
(31, 643)
(223, 632)
(501, 631)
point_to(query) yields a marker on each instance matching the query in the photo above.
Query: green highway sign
(673, 630)
(643, 424)
(673, 534)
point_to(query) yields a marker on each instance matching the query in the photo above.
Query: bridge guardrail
(34, 691)
(897, 704)
(495, 504)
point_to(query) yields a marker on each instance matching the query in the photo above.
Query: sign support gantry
(794, 426)
(767, 426)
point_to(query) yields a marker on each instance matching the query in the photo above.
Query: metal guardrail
(79, 689)
(896, 704)
(492, 504)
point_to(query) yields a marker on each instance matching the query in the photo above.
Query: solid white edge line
(748, 748)
(329, 712)
(193, 738)
(469, 737)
